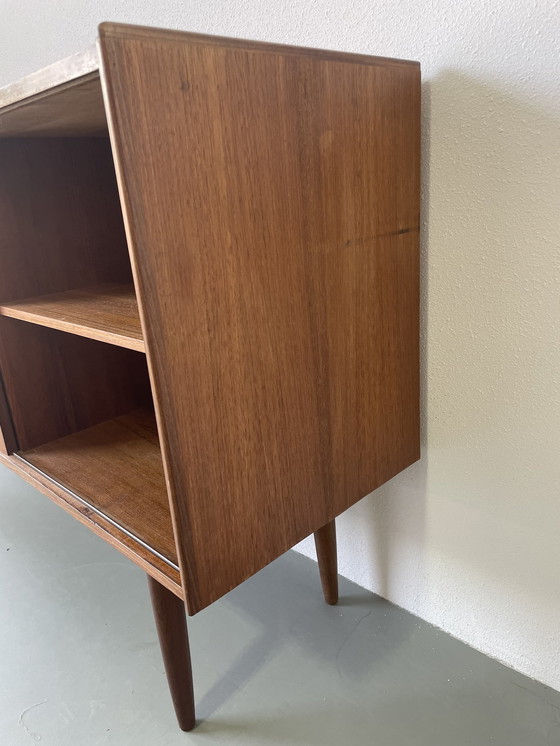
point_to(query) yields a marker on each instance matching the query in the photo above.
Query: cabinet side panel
(272, 209)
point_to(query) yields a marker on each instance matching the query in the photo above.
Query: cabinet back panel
(60, 220)
(60, 228)
(57, 383)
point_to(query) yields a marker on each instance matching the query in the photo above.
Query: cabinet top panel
(63, 99)
(139, 33)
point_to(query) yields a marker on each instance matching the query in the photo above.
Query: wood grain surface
(271, 197)
(63, 99)
(325, 546)
(108, 313)
(116, 467)
(59, 383)
(171, 625)
(61, 228)
(151, 563)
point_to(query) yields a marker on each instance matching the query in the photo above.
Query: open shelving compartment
(76, 410)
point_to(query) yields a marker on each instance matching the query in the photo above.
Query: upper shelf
(108, 313)
(61, 100)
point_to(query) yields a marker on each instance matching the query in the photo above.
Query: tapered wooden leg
(325, 544)
(171, 624)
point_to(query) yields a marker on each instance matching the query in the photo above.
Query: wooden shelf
(107, 313)
(116, 468)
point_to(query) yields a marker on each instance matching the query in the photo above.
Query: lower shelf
(115, 469)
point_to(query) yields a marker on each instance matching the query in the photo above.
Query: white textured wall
(469, 537)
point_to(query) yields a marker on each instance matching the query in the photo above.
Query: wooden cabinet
(209, 297)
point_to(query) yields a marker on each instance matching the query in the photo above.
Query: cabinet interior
(77, 404)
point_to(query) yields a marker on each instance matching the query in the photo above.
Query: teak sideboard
(209, 301)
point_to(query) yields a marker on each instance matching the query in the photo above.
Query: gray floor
(80, 663)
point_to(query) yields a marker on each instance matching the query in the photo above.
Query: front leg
(171, 624)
